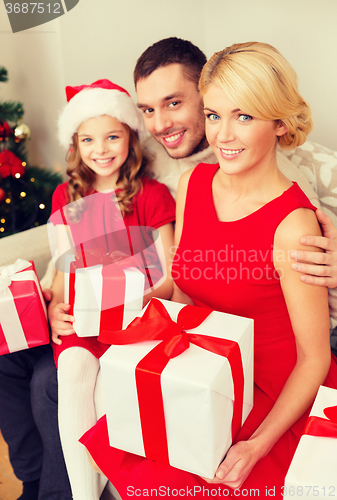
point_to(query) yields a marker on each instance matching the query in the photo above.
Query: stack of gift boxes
(178, 382)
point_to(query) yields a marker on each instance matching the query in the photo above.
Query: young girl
(101, 127)
(251, 104)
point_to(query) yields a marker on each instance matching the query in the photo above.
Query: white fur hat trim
(95, 102)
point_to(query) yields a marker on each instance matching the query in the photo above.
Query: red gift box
(23, 314)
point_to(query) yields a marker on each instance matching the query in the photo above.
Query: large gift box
(103, 291)
(23, 314)
(313, 471)
(181, 388)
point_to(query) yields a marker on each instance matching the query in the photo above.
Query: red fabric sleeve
(154, 204)
(59, 200)
(60, 197)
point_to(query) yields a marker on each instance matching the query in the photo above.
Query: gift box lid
(312, 472)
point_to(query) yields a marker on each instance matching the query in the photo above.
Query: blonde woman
(246, 206)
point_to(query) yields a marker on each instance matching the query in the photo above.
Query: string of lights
(25, 190)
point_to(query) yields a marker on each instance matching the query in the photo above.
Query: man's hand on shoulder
(319, 268)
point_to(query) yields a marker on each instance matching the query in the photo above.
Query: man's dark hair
(169, 51)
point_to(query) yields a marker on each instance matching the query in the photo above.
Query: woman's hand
(237, 465)
(319, 268)
(60, 321)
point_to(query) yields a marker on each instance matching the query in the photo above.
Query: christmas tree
(25, 190)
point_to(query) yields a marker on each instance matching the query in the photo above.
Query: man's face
(173, 110)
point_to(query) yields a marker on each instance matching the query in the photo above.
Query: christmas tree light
(25, 190)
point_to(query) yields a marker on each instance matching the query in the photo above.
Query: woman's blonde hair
(260, 80)
(82, 177)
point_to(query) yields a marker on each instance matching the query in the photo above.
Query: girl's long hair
(82, 178)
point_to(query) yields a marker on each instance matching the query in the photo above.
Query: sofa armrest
(31, 244)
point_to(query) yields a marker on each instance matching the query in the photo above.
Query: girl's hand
(236, 467)
(60, 321)
(47, 294)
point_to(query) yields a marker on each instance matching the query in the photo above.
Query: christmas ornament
(10, 164)
(21, 132)
(23, 187)
(2, 195)
(5, 130)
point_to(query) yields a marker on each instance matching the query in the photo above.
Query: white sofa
(32, 244)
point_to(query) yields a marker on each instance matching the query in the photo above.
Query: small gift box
(181, 388)
(104, 292)
(312, 472)
(23, 314)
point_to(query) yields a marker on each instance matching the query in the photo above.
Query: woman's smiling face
(238, 140)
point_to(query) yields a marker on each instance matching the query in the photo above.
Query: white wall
(103, 39)
(33, 61)
(304, 31)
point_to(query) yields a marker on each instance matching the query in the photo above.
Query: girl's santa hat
(90, 101)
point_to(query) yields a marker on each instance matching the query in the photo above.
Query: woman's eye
(213, 117)
(113, 137)
(245, 118)
(86, 139)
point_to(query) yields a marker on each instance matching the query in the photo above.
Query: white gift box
(197, 389)
(313, 471)
(88, 297)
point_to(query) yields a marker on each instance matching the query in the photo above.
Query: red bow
(97, 256)
(156, 324)
(322, 427)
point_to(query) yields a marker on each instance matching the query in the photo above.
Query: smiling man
(166, 78)
(173, 110)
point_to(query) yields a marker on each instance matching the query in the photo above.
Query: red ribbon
(156, 324)
(322, 427)
(113, 293)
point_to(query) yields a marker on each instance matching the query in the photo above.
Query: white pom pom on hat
(100, 98)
